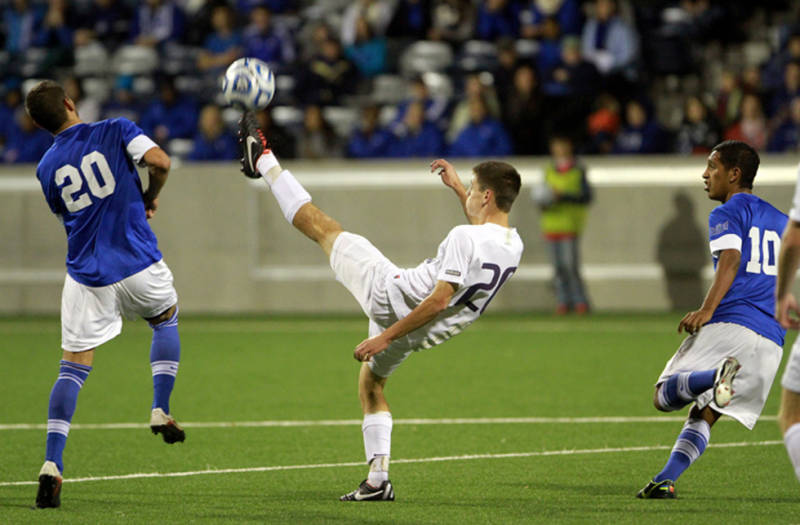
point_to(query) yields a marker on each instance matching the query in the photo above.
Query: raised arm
(727, 268)
(451, 179)
(786, 309)
(425, 312)
(158, 163)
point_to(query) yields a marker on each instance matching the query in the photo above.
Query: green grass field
(527, 467)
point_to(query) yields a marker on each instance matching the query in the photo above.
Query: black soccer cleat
(252, 144)
(658, 490)
(49, 494)
(366, 492)
(723, 381)
(164, 424)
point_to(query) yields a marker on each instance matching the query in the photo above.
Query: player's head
(502, 179)
(737, 156)
(49, 106)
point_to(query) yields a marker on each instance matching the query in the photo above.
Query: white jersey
(478, 259)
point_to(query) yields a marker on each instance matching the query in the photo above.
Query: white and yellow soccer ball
(248, 83)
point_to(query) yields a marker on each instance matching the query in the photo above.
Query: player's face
(475, 197)
(716, 178)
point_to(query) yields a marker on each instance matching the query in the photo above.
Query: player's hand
(787, 313)
(693, 321)
(150, 207)
(447, 172)
(369, 347)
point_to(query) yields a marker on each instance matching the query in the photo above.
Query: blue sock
(681, 389)
(63, 399)
(165, 354)
(691, 443)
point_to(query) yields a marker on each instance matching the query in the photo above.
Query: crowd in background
(416, 78)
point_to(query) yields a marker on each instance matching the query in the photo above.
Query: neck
(734, 192)
(497, 217)
(68, 124)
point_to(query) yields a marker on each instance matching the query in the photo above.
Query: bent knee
(656, 403)
(164, 316)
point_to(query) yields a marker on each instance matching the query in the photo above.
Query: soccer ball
(248, 83)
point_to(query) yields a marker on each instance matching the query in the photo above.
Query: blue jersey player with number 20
(114, 267)
(734, 334)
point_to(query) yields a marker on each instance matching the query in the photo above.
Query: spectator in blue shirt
(419, 137)
(368, 52)
(549, 54)
(369, 140)
(21, 23)
(266, 42)
(157, 22)
(566, 12)
(640, 134)
(787, 137)
(496, 19)
(28, 142)
(169, 116)
(107, 21)
(223, 45)
(212, 141)
(411, 19)
(789, 89)
(573, 76)
(609, 42)
(483, 137)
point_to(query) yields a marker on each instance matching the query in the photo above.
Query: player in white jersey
(408, 309)
(787, 312)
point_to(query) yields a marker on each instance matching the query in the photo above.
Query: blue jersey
(753, 227)
(89, 179)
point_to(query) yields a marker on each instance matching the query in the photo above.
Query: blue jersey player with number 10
(114, 266)
(734, 335)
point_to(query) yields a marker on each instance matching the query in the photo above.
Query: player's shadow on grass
(682, 253)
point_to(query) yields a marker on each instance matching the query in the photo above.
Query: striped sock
(165, 354)
(681, 389)
(63, 399)
(691, 443)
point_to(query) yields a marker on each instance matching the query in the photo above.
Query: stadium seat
(178, 59)
(527, 49)
(33, 59)
(477, 55)
(135, 60)
(426, 56)
(387, 115)
(343, 119)
(180, 147)
(287, 116)
(439, 84)
(97, 88)
(90, 60)
(389, 89)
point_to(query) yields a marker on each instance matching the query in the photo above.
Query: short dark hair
(45, 105)
(502, 178)
(738, 154)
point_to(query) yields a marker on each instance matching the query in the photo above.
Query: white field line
(465, 457)
(351, 422)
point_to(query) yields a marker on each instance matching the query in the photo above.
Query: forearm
(788, 260)
(425, 312)
(158, 164)
(727, 268)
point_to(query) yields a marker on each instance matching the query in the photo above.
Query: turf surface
(237, 370)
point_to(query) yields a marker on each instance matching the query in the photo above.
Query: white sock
(265, 164)
(377, 430)
(792, 440)
(289, 193)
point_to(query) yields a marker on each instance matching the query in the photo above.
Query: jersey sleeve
(136, 142)
(794, 213)
(724, 231)
(455, 253)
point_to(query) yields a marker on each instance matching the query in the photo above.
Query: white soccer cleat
(164, 424)
(723, 381)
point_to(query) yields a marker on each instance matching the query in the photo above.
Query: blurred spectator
(11, 103)
(573, 75)
(275, 6)
(169, 116)
(212, 141)
(419, 138)
(699, 132)
(483, 137)
(787, 137)
(603, 124)
(566, 12)
(21, 23)
(789, 89)
(329, 76)
(729, 98)
(549, 54)
(265, 41)
(369, 140)
(279, 138)
(368, 52)
(609, 42)
(435, 107)
(474, 86)
(507, 63)
(411, 19)
(106, 21)
(773, 73)
(641, 132)
(523, 113)
(88, 108)
(751, 126)
(563, 197)
(317, 139)
(56, 33)
(122, 102)
(157, 22)
(497, 18)
(377, 13)
(452, 20)
(223, 45)
(28, 143)
(312, 38)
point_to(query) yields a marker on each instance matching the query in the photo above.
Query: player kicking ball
(728, 362)
(114, 267)
(408, 309)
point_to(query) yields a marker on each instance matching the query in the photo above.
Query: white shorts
(90, 315)
(791, 375)
(759, 357)
(363, 270)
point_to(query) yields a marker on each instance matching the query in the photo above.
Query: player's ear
(735, 175)
(69, 104)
